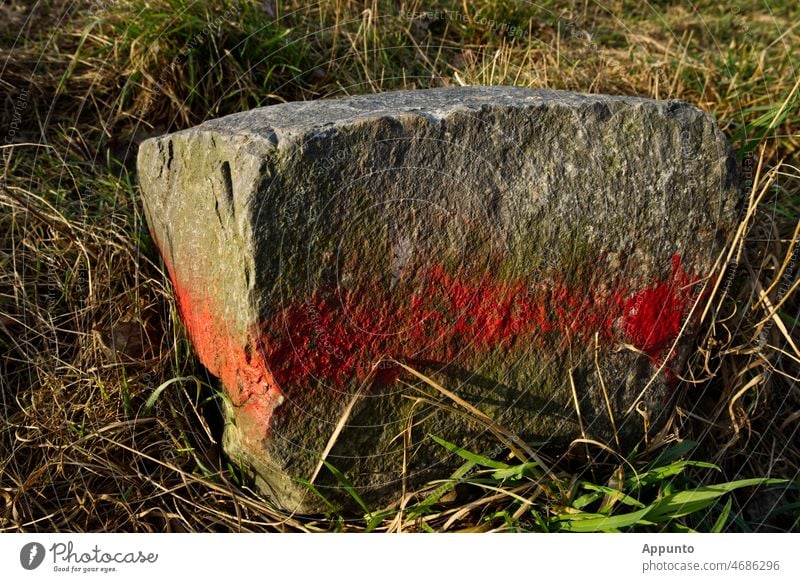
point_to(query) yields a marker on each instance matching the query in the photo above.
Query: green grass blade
(604, 524)
(673, 453)
(518, 471)
(315, 491)
(584, 500)
(660, 474)
(151, 400)
(62, 84)
(722, 520)
(686, 502)
(615, 494)
(469, 456)
(348, 487)
(445, 487)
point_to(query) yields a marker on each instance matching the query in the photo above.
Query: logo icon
(31, 555)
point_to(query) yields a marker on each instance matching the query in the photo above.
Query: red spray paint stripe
(654, 316)
(333, 337)
(238, 364)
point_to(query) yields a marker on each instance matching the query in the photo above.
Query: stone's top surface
(277, 122)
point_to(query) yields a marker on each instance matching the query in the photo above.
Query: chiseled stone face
(498, 240)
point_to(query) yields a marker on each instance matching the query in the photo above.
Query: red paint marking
(336, 337)
(238, 364)
(654, 316)
(333, 337)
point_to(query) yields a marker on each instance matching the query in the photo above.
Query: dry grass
(88, 325)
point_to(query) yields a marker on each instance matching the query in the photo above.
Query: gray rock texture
(505, 243)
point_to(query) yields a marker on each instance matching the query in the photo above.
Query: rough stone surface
(498, 240)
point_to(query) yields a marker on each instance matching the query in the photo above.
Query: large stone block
(506, 243)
